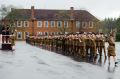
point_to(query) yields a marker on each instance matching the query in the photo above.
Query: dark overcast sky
(99, 8)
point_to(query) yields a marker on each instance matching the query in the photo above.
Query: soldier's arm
(80, 40)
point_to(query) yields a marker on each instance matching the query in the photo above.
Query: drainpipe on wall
(72, 18)
(32, 19)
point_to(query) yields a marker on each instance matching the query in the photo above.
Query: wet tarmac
(30, 62)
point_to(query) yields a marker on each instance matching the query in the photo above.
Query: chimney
(71, 12)
(32, 12)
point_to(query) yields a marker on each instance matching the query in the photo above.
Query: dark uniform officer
(7, 34)
(3, 34)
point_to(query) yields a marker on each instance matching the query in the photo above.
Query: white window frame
(46, 23)
(26, 35)
(58, 24)
(66, 24)
(17, 35)
(19, 23)
(25, 23)
(39, 23)
(52, 23)
(77, 24)
(90, 24)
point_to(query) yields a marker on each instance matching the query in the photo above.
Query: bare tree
(10, 14)
(5, 10)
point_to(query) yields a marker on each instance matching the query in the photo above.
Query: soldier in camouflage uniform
(111, 48)
(102, 44)
(87, 43)
(83, 45)
(69, 45)
(76, 51)
(97, 43)
(92, 47)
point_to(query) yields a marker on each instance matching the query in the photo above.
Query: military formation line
(76, 45)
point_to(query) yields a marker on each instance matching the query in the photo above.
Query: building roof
(19, 14)
(47, 14)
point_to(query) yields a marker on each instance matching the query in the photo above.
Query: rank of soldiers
(77, 45)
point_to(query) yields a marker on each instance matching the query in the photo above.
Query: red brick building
(49, 22)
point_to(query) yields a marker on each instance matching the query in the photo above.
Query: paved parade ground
(30, 62)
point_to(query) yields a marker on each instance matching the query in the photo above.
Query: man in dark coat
(7, 34)
(3, 33)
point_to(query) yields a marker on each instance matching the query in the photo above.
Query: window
(14, 24)
(90, 24)
(43, 33)
(26, 34)
(59, 24)
(39, 23)
(60, 33)
(84, 24)
(49, 33)
(25, 23)
(57, 33)
(52, 33)
(19, 23)
(39, 33)
(46, 23)
(52, 23)
(65, 23)
(22, 23)
(46, 33)
(77, 24)
(19, 35)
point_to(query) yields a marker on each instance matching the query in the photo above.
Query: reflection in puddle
(6, 52)
(39, 61)
(7, 62)
(111, 69)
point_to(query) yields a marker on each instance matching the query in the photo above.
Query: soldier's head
(93, 33)
(89, 34)
(84, 33)
(101, 34)
(111, 35)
